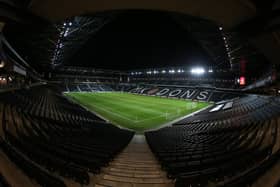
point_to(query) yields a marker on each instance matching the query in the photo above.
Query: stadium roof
(253, 19)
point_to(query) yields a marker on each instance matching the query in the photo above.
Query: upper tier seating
(48, 137)
(87, 87)
(84, 87)
(224, 148)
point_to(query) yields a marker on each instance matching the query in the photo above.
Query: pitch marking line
(126, 118)
(135, 121)
(116, 114)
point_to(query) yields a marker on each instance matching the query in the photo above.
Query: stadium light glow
(149, 72)
(197, 71)
(210, 71)
(163, 71)
(179, 71)
(172, 71)
(2, 64)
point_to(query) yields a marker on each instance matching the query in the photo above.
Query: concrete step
(132, 174)
(107, 183)
(130, 161)
(113, 183)
(136, 166)
(136, 158)
(136, 180)
(155, 172)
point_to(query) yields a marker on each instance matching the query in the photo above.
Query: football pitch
(136, 112)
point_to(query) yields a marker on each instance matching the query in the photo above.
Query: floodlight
(2, 64)
(172, 71)
(220, 28)
(163, 71)
(197, 71)
(179, 71)
(210, 71)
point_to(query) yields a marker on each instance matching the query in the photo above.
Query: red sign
(242, 81)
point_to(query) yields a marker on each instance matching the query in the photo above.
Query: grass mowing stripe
(136, 112)
(113, 113)
(106, 101)
(145, 103)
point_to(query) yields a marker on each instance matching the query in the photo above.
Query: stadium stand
(87, 87)
(135, 166)
(183, 92)
(72, 88)
(230, 147)
(209, 73)
(41, 133)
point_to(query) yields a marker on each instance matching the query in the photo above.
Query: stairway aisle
(136, 166)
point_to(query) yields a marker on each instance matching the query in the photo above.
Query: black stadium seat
(44, 133)
(217, 147)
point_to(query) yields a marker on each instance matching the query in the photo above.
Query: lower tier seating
(49, 138)
(228, 148)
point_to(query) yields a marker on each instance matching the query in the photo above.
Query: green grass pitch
(136, 112)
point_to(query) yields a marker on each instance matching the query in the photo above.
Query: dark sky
(140, 39)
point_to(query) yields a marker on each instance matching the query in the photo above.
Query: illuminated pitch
(136, 112)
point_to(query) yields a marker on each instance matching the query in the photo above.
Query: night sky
(140, 39)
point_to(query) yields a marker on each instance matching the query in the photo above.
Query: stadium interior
(139, 93)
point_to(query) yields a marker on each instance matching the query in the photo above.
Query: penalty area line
(116, 114)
